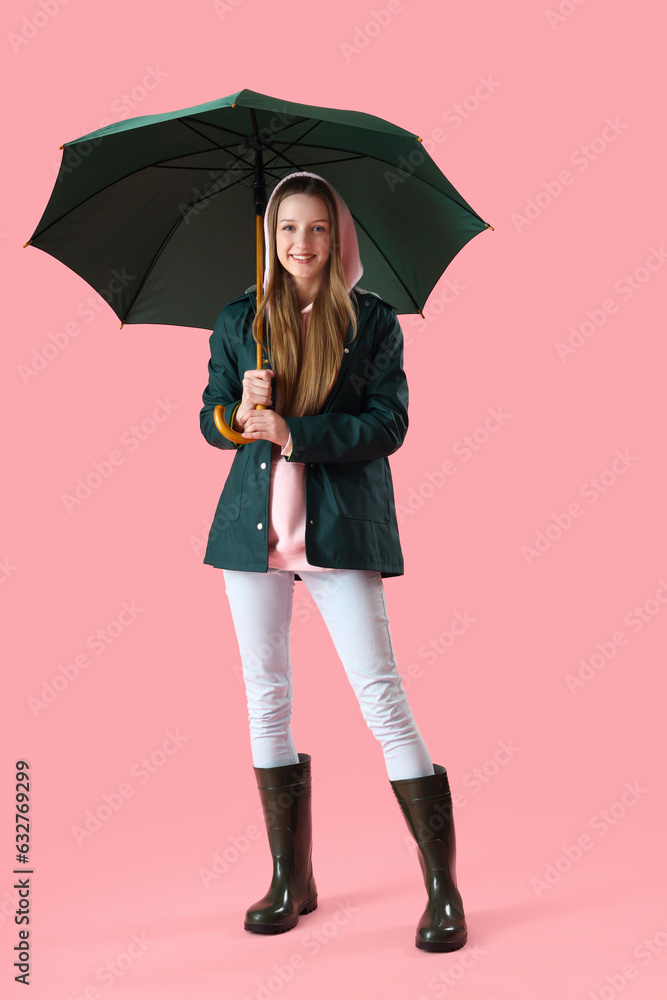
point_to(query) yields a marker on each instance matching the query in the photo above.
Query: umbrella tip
(422, 314)
(489, 226)
(121, 326)
(27, 244)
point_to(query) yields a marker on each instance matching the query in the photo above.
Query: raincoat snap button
(311, 522)
(260, 526)
(263, 465)
(366, 303)
(346, 350)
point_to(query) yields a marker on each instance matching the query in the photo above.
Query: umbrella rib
(315, 163)
(265, 143)
(199, 198)
(215, 188)
(319, 163)
(244, 163)
(393, 271)
(151, 266)
(353, 154)
(241, 135)
(378, 159)
(227, 149)
(188, 124)
(299, 139)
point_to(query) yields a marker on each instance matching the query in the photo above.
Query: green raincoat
(350, 512)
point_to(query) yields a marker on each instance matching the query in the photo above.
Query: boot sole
(441, 945)
(307, 907)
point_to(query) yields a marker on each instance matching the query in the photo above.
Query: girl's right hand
(256, 391)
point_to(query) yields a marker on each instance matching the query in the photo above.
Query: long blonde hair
(305, 376)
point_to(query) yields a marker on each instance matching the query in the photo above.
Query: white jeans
(352, 604)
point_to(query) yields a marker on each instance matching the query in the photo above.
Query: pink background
(558, 767)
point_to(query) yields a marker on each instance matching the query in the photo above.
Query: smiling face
(303, 242)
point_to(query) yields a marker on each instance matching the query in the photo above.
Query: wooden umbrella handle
(219, 411)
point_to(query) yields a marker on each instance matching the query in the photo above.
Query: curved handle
(226, 430)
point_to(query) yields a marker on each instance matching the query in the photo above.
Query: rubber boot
(285, 795)
(426, 804)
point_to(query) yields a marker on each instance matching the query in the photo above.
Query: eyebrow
(294, 220)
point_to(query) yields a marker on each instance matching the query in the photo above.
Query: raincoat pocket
(362, 490)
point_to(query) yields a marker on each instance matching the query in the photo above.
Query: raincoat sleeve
(225, 386)
(378, 387)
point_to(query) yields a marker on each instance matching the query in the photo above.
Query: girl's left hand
(266, 425)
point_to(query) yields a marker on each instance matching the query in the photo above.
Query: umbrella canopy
(155, 212)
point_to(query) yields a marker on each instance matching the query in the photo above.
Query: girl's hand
(266, 425)
(256, 391)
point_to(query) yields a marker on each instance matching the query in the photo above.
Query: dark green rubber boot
(285, 795)
(426, 804)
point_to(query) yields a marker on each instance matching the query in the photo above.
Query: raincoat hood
(349, 247)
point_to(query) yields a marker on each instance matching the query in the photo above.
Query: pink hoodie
(287, 493)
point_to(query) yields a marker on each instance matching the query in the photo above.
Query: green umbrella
(153, 211)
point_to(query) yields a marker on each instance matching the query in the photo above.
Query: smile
(302, 257)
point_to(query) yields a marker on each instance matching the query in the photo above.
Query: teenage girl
(310, 498)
